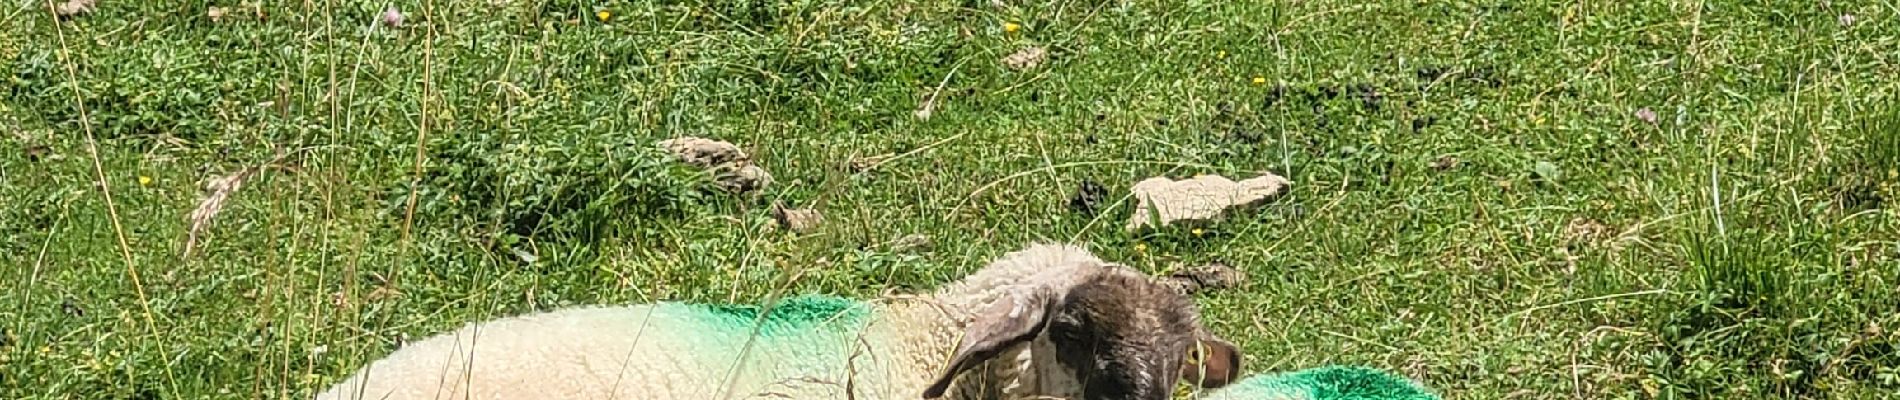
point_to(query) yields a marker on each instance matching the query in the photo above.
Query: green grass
(1744, 245)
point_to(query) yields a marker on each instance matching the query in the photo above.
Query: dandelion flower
(1259, 80)
(145, 180)
(1011, 27)
(1222, 54)
(603, 15)
(1198, 232)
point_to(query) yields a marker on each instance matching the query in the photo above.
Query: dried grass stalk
(219, 191)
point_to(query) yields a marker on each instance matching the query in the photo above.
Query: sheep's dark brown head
(1121, 336)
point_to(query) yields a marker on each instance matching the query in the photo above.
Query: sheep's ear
(1212, 363)
(1011, 320)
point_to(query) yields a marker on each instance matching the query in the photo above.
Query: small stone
(746, 179)
(72, 7)
(733, 169)
(797, 220)
(1445, 163)
(1027, 58)
(1166, 201)
(704, 153)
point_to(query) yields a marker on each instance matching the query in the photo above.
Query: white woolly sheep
(1048, 321)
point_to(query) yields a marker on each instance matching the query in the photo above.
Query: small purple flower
(1847, 19)
(1647, 115)
(392, 17)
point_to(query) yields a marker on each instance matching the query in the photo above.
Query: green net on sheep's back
(1334, 382)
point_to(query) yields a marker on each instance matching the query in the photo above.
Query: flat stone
(1200, 198)
(797, 220)
(732, 169)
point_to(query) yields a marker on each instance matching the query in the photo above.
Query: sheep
(1047, 321)
(1333, 382)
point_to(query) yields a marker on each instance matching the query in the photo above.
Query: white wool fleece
(806, 348)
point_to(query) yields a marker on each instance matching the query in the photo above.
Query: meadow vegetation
(1502, 199)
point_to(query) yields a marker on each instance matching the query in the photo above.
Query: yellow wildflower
(1011, 27)
(145, 180)
(1198, 232)
(1141, 247)
(1222, 54)
(1259, 80)
(603, 15)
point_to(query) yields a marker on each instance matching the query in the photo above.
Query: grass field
(1503, 199)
